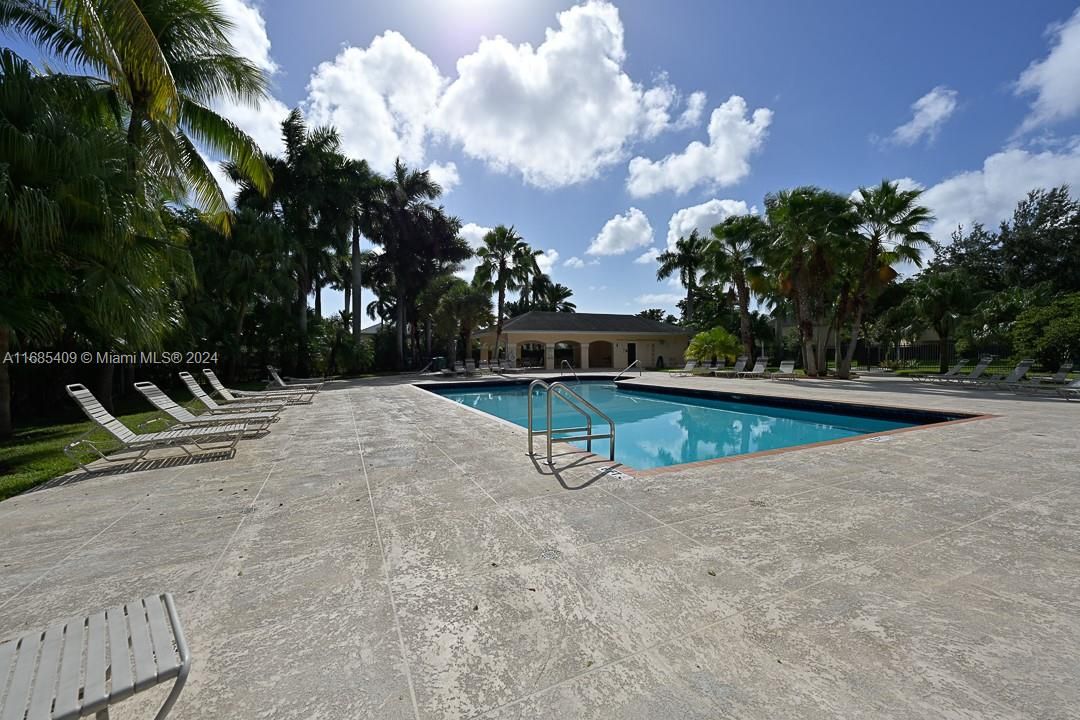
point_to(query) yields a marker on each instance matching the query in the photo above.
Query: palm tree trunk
(357, 307)
(302, 328)
(843, 368)
(318, 300)
(400, 321)
(6, 428)
(806, 330)
(499, 320)
(943, 352)
(233, 369)
(744, 316)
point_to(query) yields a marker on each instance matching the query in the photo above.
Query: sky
(602, 131)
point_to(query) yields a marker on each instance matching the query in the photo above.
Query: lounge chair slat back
(787, 366)
(740, 364)
(96, 412)
(759, 365)
(164, 403)
(1019, 371)
(978, 370)
(217, 385)
(196, 389)
(41, 700)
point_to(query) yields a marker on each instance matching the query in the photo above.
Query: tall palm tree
(731, 257)
(938, 299)
(811, 233)
(890, 230)
(167, 62)
(403, 212)
(686, 259)
(506, 263)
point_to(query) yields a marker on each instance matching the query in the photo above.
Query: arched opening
(601, 354)
(531, 354)
(660, 362)
(567, 350)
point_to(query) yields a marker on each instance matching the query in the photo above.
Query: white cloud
(691, 116)
(546, 262)
(558, 113)
(929, 113)
(666, 300)
(702, 218)
(381, 99)
(990, 194)
(446, 174)
(575, 262)
(474, 235)
(248, 34)
(1055, 80)
(622, 233)
(648, 257)
(733, 137)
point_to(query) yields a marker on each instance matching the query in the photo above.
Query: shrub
(1049, 333)
(715, 343)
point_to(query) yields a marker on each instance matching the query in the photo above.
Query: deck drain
(550, 554)
(614, 472)
(758, 503)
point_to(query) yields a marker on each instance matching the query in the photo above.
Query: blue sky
(561, 127)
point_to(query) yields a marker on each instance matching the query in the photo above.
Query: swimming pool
(659, 427)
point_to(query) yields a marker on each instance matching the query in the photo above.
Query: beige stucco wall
(650, 347)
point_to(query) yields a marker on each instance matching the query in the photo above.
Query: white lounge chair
(470, 367)
(973, 377)
(786, 371)
(143, 443)
(757, 371)
(738, 367)
(81, 666)
(297, 397)
(276, 383)
(1070, 391)
(952, 372)
(240, 406)
(257, 421)
(686, 369)
(1061, 377)
(1012, 378)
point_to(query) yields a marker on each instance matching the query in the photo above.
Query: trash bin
(438, 363)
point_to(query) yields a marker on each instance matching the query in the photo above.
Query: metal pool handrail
(570, 368)
(575, 401)
(627, 368)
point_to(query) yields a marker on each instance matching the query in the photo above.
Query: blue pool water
(659, 429)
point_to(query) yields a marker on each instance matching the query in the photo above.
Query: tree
(168, 62)
(463, 308)
(938, 300)
(652, 314)
(557, 299)
(1050, 333)
(710, 344)
(506, 264)
(685, 259)
(1042, 242)
(731, 256)
(890, 223)
(811, 236)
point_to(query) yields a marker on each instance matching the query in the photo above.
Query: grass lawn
(35, 453)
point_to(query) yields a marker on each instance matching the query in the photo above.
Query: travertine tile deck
(387, 554)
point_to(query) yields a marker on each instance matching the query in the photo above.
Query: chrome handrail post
(550, 429)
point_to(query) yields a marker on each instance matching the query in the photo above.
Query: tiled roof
(537, 321)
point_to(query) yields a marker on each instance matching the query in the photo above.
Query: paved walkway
(387, 554)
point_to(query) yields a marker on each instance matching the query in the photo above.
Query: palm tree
(810, 233)
(557, 299)
(83, 246)
(404, 210)
(938, 299)
(506, 263)
(462, 309)
(731, 256)
(685, 259)
(167, 62)
(890, 231)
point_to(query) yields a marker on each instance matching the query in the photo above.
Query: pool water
(659, 429)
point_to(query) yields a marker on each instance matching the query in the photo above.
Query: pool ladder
(578, 403)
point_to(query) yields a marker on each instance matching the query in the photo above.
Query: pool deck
(384, 553)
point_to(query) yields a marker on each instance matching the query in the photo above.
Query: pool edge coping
(650, 472)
